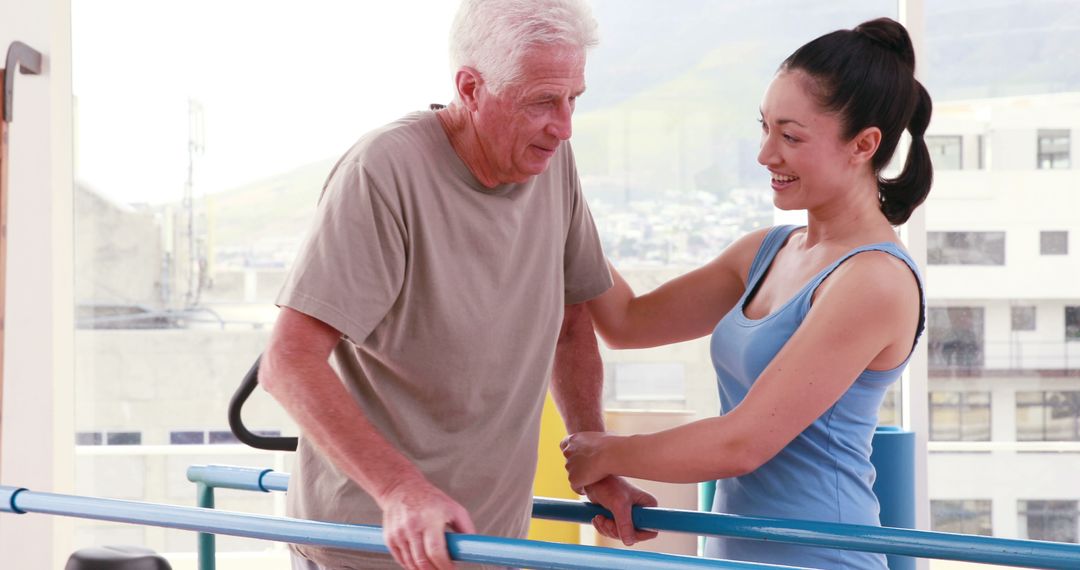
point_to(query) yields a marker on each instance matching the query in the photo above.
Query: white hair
(491, 36)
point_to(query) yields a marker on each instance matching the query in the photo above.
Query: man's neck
(459, 130)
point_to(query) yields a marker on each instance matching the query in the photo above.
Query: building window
(955, 337)
(213, 437)
(218, 437)
(187, 437)
(962, 516)
(1053, 149)
(946, 152)
(965, 248)
(1054, 243)
(108, 438)
(123, 438)
(1048, 416)
(1023, 318)
(1072, 323)
(89, 438)
(959, 416)
(1048, 520)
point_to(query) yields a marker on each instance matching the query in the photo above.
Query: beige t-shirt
(450, 298)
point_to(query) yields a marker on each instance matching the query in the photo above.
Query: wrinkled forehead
(560, 64)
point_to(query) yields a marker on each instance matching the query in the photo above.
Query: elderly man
(439, 290)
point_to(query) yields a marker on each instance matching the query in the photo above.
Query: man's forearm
(325, 412)
(577, 382)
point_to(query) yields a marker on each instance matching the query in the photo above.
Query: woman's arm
(864, 315)
(684, 308)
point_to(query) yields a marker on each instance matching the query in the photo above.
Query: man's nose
(561, 125)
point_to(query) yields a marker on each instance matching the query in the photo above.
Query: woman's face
(802, 147)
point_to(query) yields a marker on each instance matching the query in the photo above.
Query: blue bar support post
(207, 542)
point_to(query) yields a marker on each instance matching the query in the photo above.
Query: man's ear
(865, 144)
(468, 82)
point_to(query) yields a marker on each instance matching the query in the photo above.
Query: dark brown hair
(867, 76)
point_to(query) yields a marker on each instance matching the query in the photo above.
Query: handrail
(236, 422)
(462, 547)
(885, 540)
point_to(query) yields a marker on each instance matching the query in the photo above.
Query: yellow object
(551, 478)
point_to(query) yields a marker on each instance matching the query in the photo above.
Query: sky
(281, 84)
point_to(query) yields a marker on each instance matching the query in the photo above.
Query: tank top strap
(773, 242)
(886, 247)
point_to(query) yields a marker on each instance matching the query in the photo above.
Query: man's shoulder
(404, 137)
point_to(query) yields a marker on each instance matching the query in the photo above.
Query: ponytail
(901, 195)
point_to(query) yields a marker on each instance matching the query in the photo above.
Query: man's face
(520, 128)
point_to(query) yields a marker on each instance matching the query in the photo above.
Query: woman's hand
(588, 455)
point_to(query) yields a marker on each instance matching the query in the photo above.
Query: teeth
(783, 178)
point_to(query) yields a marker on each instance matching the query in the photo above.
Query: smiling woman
(793, 440)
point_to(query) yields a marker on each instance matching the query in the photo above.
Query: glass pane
(999, 304)
(965, 517)
(666, 141)
(1049, 520)
(203, 136)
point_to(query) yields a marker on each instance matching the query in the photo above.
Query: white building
(1003, 282)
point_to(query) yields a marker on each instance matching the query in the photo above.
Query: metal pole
(207, 543)
(886, 540)
(463, 547)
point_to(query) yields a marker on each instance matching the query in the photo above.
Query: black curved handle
(236, 424)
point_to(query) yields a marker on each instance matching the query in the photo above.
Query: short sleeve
(350, 270)
(584, 265)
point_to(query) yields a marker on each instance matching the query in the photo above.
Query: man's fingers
(433, 546)
(624, 523)
(401, 555)
(605, 526)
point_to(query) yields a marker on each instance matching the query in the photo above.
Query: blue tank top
(825, 473)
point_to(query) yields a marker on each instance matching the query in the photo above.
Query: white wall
(37, 450)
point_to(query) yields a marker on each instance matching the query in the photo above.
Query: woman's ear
(865, 144)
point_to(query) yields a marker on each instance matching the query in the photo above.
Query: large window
(1048, 416)
(946, 151)
(955, 337)
(1054, 149)
(1048, 520)
(1072, 323)
(970, 516)
(197, 176)
(1054, 243)
(1023, 318)
(959, 416)
(965, 248)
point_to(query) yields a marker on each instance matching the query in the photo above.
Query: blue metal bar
(463, 547)
(228, 477)
(886, 540)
